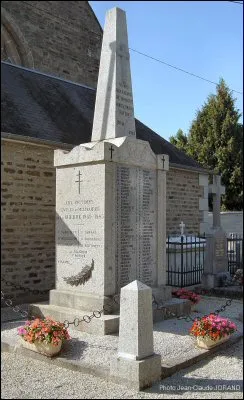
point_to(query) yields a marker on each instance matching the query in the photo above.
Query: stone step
(104, 325)
(176, 306)
(81, 300)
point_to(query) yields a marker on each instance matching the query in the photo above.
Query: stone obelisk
(114, 110)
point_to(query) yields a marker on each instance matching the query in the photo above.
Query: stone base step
(162, 293)
(230, 292)
(82, 300)
(179, 307)
(104, 325)
(91, 301)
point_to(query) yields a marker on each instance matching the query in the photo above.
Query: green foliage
(215, 140)
(179, 140)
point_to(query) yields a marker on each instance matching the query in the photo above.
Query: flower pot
(207, 343)
(48, 349)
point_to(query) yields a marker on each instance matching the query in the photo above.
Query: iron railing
(185, 260)
(235, 252)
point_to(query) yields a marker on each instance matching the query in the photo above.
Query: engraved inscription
(124, 105)
(220, 248)
(136, 225)
(79, 220)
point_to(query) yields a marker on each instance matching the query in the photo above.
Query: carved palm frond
(82, 277)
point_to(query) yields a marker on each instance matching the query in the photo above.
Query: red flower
(212, 326)
(46, 330)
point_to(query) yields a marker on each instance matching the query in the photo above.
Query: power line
(237, 2)
(179, 69)
(162, 62)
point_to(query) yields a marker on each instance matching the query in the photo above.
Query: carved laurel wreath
(82, 277)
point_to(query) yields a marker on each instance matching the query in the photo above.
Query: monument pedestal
(216, 259)
(83, 301)
(210, 281)
(110, 209)
(104, 325)
(162, 293)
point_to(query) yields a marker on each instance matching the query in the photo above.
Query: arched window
(14, 47)
(9, 51)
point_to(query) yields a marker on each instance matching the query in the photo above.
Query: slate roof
(49, 108)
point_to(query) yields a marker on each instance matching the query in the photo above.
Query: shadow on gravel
(73, 349)
(173, 326)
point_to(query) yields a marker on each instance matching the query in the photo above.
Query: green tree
(179, 140)
(215, 140)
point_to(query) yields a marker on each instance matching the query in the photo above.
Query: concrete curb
(169, 367)
(229, 292)
(58, 361)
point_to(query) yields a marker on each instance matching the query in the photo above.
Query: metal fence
(235, 252)
(185, 260)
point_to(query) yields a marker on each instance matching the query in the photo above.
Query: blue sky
(202, 37)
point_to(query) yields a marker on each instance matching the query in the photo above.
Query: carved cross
(111, 150)
(79, 181)
(121, 52)
(217, 190)
(163, 159)
(182, 226)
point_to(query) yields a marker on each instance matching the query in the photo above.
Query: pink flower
(22, 331)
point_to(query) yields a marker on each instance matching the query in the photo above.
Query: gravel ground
(171, 337)
(25, 379)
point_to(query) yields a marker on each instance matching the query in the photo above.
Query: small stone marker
(136, 363)
(136, 326)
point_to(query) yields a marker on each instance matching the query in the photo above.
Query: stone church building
(50, 53)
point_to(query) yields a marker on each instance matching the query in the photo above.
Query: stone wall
(183, 194)
(28, 218)
(231, 221)
(62, 38)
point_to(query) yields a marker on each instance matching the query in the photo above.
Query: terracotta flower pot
(48, 349)
(207, 343)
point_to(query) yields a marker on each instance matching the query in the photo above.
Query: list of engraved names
(135, 225)
(125, 109)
